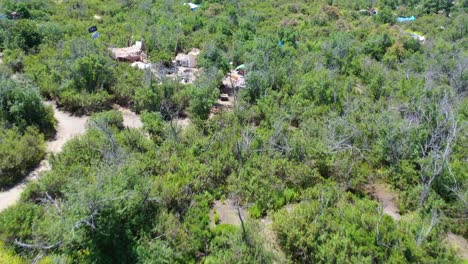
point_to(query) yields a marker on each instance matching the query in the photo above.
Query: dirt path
(384, 195)
(68, 126)
(227, 213)
(131, 120)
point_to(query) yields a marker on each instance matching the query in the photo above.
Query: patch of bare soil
(227, 213)
(183, 122)
(387, 197)
(459, 243)
(68, 126)
(131, 119)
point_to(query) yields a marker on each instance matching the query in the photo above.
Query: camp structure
(192, 6)
(187, 60)
(130, 54)
(402, 19)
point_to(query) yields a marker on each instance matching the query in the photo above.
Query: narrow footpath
(68, 126)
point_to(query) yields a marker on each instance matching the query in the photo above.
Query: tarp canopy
(406, 19)
(133, 53)
(240, 67)
(192, 6)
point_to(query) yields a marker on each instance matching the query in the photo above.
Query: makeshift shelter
(131, 54)
(192, 6)
(187, 60)
(406, 19)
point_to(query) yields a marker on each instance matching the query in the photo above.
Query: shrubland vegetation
(24, 122)
(335, 99)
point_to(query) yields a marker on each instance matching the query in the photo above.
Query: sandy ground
(131, 120)
(384, 195)
(68, 126)
(183, 122)
(459, 244)
(227, 213)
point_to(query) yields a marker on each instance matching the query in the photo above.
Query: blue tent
(406, 19)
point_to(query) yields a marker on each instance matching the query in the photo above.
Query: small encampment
(131, 54)
(187, 60)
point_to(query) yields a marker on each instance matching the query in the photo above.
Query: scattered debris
(235, 79)
(406, 19)
(183, 67)
(141, 65)
(97, 17)
(92, 29)
(224, 97)
(416, 36)
(186, 65)
(187, 60)
(131, 54)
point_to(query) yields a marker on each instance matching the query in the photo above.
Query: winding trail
(68, 126)
(130, 119)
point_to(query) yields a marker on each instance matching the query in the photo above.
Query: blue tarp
(406, 19)
(281, 43)
(95, 35)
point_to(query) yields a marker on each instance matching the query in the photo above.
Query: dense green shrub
(19, 153)
(22, 106)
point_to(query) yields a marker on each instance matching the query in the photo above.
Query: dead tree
(437, 147)
(424, 232)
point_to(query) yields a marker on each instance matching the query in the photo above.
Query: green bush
(111, 118)
(22, 106)
(19, 153)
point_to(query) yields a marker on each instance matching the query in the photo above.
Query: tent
(187, 60)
